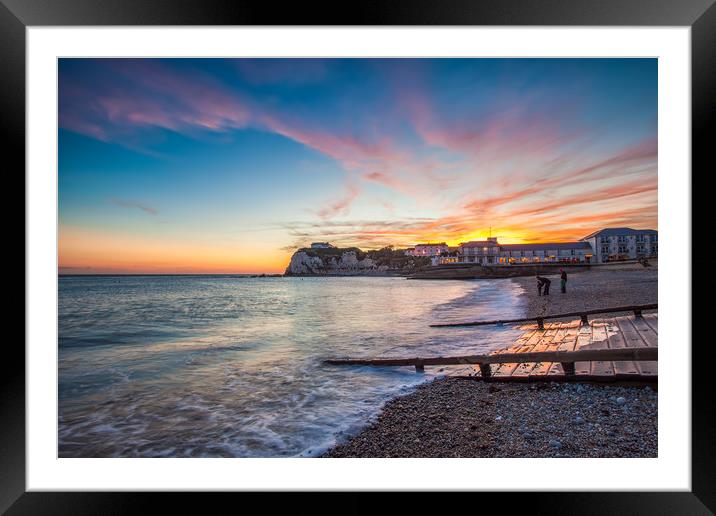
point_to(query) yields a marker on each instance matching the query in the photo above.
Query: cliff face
(344, 263)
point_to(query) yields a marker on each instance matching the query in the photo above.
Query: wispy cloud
(340, 206)
(132, 204)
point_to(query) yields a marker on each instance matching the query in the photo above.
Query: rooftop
(479, 243)
(620, 231)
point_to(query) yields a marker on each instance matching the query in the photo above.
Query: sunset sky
(228, 165)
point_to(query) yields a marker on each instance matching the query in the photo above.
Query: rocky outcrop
(334, 263)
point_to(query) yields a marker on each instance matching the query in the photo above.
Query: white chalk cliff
(347, 263)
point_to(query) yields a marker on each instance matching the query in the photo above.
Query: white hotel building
(599, 247)
(491, 252)
(623, 244)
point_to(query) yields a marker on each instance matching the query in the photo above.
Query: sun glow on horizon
(91, 252)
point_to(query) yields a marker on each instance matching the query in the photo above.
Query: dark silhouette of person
(563, 280)
(543, 285)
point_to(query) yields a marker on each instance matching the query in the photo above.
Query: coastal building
(612, 244)
(605, 245)
(479, 251)
(321, 245)
(428, 249)
(491, 252)
(449, 256)
(553, 252)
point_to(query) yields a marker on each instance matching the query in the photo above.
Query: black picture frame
(700, 15)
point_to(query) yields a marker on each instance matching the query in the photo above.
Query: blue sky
(203, 165)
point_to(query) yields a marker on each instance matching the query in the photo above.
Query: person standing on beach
(563, 281)
(540, 283)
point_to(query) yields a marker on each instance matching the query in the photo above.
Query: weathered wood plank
(506, 369)
(542, 368)
(569, 343)
(653, 321)
(582, 368)
(642, 353)
(634, 339)
(599, 341)
(647, 334)
(524, 369)
(615, 339)
(515, 348)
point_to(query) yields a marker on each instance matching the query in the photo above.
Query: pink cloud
(186, 103)
(354, 153)
(509, 161)
(340, 206)
(385, 179)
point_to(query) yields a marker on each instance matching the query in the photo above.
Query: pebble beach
(600, 287)
(459, 417)
(463, 417)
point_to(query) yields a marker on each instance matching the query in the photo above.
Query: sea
(231, 366)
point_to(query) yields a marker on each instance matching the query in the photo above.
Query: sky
(229, 165)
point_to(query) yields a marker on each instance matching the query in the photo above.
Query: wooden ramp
(615, 348)
(606, 333)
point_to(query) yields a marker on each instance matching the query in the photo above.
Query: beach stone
(621, 400)
(473, 428)
(578, 420)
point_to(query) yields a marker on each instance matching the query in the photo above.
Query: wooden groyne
(583, 315)
(563, 357)
(622, 348)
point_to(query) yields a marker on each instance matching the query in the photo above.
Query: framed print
(415, 250)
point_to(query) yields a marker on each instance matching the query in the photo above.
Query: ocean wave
(251, 385)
